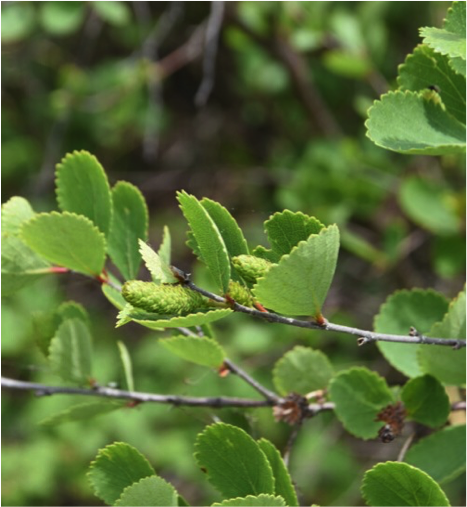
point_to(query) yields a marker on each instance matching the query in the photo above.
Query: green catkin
(163, 299)
(240, 294)
(250, 268)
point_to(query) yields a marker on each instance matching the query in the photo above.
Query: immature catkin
(164, 299)
(240, 294)
(250, 268)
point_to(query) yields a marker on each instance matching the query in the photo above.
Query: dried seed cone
(240, 293)
(163, 299)
(250, 268)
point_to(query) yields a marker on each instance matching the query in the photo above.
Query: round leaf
(14, 213)
(403, 309)
(151, 492)
(359, 394)
(399, 484)
(252, 501)
(302, 370)
(66, 239)
(441, 455)
(407, 122)
(116, 467)
(426, 401)
(233, 461)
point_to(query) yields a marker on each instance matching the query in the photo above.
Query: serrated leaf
(302, 370)
(114, 296)
(129, 225)
(208, 238)
(252, 501)
(83, 412)
(159, 269)
(226, 224)
(82, 188)
(61, 18)
(429, 205)
(15, 212)
(283, 486)
(155, 321)
(20, 265)
(165, 248)
(70, 352)
(425, 68)
(285, 230)
(458, 65)
(407, 122)
(299, 284)
(444, 363)
(426, 401)
(116, 467)
(399, 484)
(359, 394)
(233, 461)
(127, 366)
(401, 310)
(66, 239)
(203, 351)
(441, 455)
(151, 492)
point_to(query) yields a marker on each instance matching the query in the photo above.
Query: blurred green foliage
(283, 128)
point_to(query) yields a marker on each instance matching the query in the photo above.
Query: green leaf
(444, 363)
(83, 412)
(70, 352)
(127, 366)
(233, 461)
(129, 224)
(114, 296)
(285, 230)
(15, 212)
(18, 21)
(165, 248)
(283, 486)
(208, 238)
(20, 265)
(203, 351)
(82, 188)
(426, 401)
(155, 321)
(116, 467)
(441, 455)
(425, 68)
(298, 285)
(159, 269)
(429, 205)
(68, 240)
(444, 42)
(359, 395)
(458, 65)
(150, 491)
(250, 500)
(115, 13)
(403, 309)
(230, 231)
(302, 370)
(410, 123)
(400, 484)
(61, 18)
